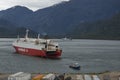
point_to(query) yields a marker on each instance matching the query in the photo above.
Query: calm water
(92, 55)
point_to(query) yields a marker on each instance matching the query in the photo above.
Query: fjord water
(92, 55)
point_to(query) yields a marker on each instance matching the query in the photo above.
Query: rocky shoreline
(102, 76)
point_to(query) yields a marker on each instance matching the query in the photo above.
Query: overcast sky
(31, 4)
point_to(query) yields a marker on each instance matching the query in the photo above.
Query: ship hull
(36, 52)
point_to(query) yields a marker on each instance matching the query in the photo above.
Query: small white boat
(75, 66)
(65, 38)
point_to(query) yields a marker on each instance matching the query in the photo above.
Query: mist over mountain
(63, 18)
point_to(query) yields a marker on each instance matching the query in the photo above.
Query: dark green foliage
(77, 18)
(104, 29)
(61, 18)
(9, 30)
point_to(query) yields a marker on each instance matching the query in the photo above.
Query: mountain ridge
(102, 29)
(63, 18)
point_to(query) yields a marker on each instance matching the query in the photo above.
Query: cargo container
(38, 77)
(87, 77)
(20, 76)
(95, 77)
(57, 78)
(49, 77)
(61, 76)
(79, 77)
(12, 77)
(68, 78)
(106, 77)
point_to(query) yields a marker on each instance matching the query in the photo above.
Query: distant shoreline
(61, 38)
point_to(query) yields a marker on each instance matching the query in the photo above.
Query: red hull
(35, 52)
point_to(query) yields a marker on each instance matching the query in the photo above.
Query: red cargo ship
(37, 47)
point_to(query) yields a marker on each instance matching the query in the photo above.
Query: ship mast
(37, 40)
(26, 36)
(38, 36)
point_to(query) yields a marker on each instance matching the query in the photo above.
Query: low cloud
(32, 4)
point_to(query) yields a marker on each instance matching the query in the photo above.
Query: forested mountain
(15, 14)
(8, 30)
(62, 19)
(102, 29)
